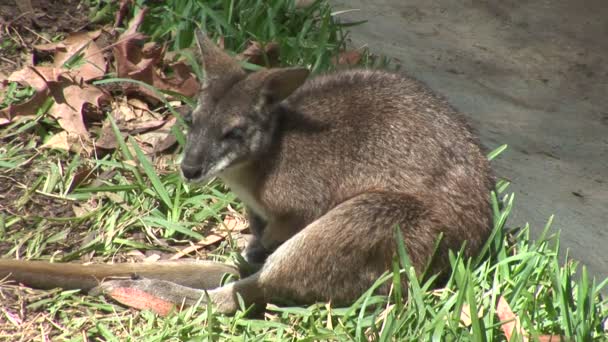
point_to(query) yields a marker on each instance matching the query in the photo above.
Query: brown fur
(328, 167)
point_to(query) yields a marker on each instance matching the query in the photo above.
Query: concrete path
(531, 74)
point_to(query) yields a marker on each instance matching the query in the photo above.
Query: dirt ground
(21, 27)
(532, 74)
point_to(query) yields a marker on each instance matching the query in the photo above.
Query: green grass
(129, 202)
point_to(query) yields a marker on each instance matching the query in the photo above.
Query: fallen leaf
(169, 141)
(123, 10)
(141, 300)
(465, 314)
(183, 80)
(351, 57)
(261, 54)
(133, 117)
(35, 79)
(67, 141)
(144, 126)
(70, 94)
(84, 208)
(70, 97)
(510, 321)
(26, 108)
(81, 176)
(143, 61)
(93, 64)
(154, 140)
(233, 224)
(106, 139)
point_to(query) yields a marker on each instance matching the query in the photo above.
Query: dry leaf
(68, 141)
(351, 57)
(511, 321)
(81, 176)
(81, 209)
(69, 93)
(142, 62)
(132, 118)
(26, 76)
(158, 139)
(465, 314)
(152, 258)
(141, 300)
(27, 108)
(265, 55)
(107, 139)
(70, 97)
(93, 63)
(123, 10)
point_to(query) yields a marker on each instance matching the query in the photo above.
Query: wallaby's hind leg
(340, 255)
(337, 257)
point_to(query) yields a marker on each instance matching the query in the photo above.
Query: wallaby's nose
(191, 172)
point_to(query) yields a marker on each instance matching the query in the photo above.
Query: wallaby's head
(234, 120)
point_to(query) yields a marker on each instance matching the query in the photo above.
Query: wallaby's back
(358, 131)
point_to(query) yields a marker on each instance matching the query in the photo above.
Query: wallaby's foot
(161, 295)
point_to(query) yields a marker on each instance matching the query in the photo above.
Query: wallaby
(327, 168)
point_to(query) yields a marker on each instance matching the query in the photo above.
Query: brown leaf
(35, 79)
(68, 141)
(351, 57)
(157, 139)
(27, 108)
(123, 10)
(141, 300)
(168, 141)
(69, 93)
(183, 80)
(80, 177)
(511, 323)
(93, 64)
(132, 117)
(70, 98)
(142, 62)
(107, 139)
(260, 54)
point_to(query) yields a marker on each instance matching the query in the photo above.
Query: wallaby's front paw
(159, 296)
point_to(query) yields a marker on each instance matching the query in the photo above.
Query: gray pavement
(531, 74)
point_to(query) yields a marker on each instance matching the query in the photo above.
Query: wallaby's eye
(235, 133)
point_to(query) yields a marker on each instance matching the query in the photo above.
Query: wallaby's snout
(191, 165)
(191, 172)
(201, 155)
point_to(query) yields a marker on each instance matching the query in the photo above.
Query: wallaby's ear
(280, 83)
(217, 64)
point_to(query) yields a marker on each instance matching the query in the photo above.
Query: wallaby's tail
(45, 275)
